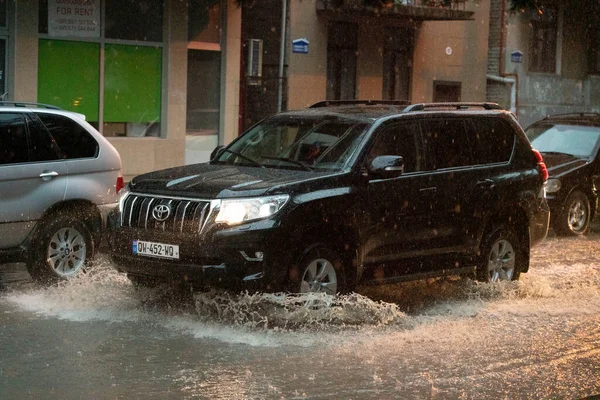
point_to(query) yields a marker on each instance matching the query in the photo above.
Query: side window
(493, 140)
(401, 139)
(72, 139)
(43, 147)
(13, 139)
(447, 144)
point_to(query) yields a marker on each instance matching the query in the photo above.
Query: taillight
(120, 184)
(541, 165)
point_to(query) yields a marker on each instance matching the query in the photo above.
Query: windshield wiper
(287, 159)
(235, 153)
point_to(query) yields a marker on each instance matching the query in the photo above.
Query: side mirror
(384, 167)
(216, 152)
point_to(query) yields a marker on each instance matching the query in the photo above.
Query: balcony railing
(416, 9)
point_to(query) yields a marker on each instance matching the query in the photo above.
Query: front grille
(186, 216)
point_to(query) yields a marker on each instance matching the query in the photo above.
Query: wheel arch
(84, 210)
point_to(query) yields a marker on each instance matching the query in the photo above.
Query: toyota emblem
(161, 212)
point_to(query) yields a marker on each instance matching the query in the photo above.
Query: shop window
(134, 20)
(544, 32)
(342, 46)
(132, 90)
(69, 76)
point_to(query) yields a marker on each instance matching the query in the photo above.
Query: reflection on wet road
(98, 337)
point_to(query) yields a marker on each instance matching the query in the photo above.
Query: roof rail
(454, 105)
(574, 114)
(334, 103)
(28, 104)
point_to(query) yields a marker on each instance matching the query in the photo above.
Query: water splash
(310, 311)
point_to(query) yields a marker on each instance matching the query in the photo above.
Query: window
(399, 140)
(134, 20)
(72, 139)
(493, 140)
(342, 44)
(42, 146)
(544, 31)
(13, 139)
(111, 71)
(447, 144)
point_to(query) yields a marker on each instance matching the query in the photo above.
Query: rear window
(575, 140)
(493, 140)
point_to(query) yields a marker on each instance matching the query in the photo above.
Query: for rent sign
(74, 18)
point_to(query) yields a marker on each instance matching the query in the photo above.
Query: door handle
(431, 189)
(47, 175)
(486, 184)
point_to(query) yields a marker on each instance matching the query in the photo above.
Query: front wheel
(574, 220)
(62, 249)
(320, 271)
(501, 256)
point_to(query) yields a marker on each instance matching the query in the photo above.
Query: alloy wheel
(66, 252)
(319, 276)
(577, 216)
(501, 262)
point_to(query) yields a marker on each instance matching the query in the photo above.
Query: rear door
(33, 177)
(469, 158)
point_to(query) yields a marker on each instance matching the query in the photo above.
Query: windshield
(575, 140)
(297, 142)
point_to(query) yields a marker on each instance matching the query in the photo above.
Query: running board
(420, 276)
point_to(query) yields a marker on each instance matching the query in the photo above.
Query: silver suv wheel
(319, 276)
(66, 252)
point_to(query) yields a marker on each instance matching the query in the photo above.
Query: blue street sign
(300, 46)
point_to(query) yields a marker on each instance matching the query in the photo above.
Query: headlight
(122, 194)
(552, 186)
(236, 211)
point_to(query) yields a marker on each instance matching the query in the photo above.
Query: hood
(220, 181)
(562, 164)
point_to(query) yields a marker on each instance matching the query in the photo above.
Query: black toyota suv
(569, 144)
(340, 194)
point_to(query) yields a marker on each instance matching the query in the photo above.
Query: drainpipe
(508, 78)
(282, 54)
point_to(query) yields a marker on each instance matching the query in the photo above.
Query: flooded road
(97, 337)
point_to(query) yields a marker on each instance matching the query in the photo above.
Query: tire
(574, 219)
(320, 270)
(62, 248)
(501, 256)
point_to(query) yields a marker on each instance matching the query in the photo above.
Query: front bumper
(252, 256)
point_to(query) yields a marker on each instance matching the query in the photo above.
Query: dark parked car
(569, 144)
(339, 194)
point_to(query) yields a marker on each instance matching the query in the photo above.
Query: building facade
(168, 80)
(545, 60)
(150, 75)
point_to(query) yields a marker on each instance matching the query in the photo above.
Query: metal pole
(282, 55)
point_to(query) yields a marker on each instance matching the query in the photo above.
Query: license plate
(154, 249)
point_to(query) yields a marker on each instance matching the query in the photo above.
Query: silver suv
(59, 178)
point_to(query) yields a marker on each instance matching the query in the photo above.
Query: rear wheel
(574, 220)
(62, 248)
(501, 256)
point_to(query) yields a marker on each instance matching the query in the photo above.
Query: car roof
(582, 118)
(5, 108)
(369, 111)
